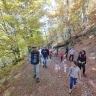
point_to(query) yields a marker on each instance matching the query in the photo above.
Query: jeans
(71, 56)
(44, 60)
(72, 81)
(36, 70)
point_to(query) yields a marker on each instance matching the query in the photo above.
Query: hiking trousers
(66, 54)
(36, 70)
(71, 57)
(82, 66)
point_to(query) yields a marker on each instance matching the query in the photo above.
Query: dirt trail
(54, 81)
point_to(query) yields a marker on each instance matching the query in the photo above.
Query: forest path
(54, 81)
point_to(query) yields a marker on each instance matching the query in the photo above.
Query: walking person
(45, 54)
(62, 56)
(66, 52)
(40, 55)
(71, 57)
(55, 52)
(82, 60)
(35, 63)
(50, 54)
(74, 73)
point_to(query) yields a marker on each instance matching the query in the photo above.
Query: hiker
(45, 54)
(35, 63)
(66, 51)
(55, 52)
(50, 54)
(71, 52)
(74, 73)
(40, 55)
(82, 60)
(62, 56)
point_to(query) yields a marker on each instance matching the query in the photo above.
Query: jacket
(45, 52)
(74, 72)
(35, 57)
(82, 58)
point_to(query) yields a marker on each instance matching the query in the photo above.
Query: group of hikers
(41, 56)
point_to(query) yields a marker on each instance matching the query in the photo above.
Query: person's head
(75, 63)
(34, 48)
(44, 47)
(83, 52)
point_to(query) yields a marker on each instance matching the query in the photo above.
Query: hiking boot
(45, 66)
(84, 75)
(70, 91)
(37, 80)
(34, 76)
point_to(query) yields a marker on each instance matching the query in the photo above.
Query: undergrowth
(6, 72)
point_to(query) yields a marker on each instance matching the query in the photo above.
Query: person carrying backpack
(82, 60)
(35, 63)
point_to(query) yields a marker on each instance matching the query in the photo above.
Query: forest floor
(54, 80)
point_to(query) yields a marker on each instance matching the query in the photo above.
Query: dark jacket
(45, 52)
(35, 57)
(66, 50)
(82, 58)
